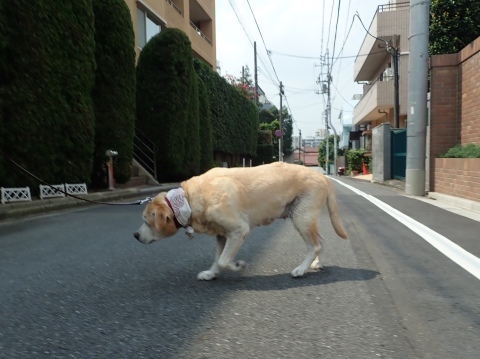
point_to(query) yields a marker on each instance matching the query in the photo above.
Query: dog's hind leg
(317, 262)
(214, 270)
(309, 232)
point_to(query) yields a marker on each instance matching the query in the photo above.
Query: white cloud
(295, 28)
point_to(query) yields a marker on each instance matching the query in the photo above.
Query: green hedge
(164, 90)
(234, 117)
(114, 91)
(264, 155)
(206, 157)
(47, 75)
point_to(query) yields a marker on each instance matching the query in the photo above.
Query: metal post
(417, 97)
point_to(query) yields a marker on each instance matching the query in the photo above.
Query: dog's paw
(239, 265)
(298, 272)
(206, 275)
(317, 266)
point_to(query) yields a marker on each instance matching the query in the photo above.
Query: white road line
(464, 259)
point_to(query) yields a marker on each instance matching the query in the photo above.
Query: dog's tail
(333, 211)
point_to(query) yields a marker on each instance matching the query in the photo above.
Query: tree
(245, 88)
(114, 90)
(287, 128)
(47, 76)
(265, 116)
(322, 150)
(453, 25)
(246, 77)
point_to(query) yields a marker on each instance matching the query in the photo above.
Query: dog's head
(158, 220)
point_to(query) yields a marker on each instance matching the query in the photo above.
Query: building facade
(375, 67)
(195, 17)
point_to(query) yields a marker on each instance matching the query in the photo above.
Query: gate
(399, 153)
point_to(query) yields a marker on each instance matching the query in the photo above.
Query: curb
(37, 206)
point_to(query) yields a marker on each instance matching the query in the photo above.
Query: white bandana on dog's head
(180, 207)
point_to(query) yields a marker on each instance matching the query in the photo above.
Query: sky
(292, 39)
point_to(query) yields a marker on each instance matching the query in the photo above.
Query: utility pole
(280, 139)
(299, 145)
(329, 118)
(256, 77)
(327, 164)
(417, 97)
(243, 75)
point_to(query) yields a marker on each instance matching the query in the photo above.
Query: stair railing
(144, 151)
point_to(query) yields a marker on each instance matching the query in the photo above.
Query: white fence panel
(78, 188)
(50, 191)
(16, 194)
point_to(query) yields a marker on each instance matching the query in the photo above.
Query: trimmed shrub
(192, 134)
(234, 117)
(114, 90)
(206, 156)
(163, 88)
(468, 151)
(264, 155)
(48, 73)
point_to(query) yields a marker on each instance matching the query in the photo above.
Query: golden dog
(229, 202)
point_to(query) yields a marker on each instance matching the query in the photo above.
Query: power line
(335, 36)
(324, 58)
(261, 36)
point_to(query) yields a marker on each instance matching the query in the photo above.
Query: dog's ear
(164, 223)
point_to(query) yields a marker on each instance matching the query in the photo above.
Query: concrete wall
(382, 153)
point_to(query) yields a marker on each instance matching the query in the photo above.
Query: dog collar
(178, 203)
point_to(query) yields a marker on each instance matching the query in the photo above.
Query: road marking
(464, 259)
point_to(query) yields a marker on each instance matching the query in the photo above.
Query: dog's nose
(136, 235)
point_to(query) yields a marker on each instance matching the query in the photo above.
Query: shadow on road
(283, 281)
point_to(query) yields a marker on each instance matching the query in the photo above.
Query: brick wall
(454, 109)
(459, 177)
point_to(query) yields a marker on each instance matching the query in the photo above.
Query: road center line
(464, 259)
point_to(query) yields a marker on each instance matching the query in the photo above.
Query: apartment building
(195, 17)
(375, 67)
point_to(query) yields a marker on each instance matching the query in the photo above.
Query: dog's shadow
(283, 281)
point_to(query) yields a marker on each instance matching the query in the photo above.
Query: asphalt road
(78, 285)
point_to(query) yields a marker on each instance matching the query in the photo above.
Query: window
(147, 27)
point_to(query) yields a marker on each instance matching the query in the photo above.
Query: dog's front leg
(234, 242)
(214, 269)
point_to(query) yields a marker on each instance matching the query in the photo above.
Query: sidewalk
(460, 206)
(38, 206)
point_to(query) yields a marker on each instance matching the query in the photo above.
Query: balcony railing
(200, 32)
(175, 6)
(393, 7)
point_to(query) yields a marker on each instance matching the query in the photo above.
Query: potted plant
(355, 160)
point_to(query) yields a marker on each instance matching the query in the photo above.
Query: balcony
(390, 24)
(379, 96)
